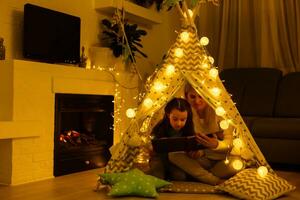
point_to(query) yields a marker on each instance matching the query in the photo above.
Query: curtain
(253, 33)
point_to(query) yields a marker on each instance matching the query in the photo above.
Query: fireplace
(83, 132)
(27, 106)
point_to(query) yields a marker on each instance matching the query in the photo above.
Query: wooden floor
(81, 185)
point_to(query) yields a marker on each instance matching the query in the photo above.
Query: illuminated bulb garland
(204, 41)
(190, 13)
(118, 100)
(262, 171)
(226, 161)
(224, 124)
(205, 66)
(220, 111)
(117, 109)
(170, 70)
(237, 164)
(238, 143)
(130, 113)
(179, 52)
(215, 91)
(159, 86)
(148, 103)
(211, 59)
(185, 36)
(213, 73)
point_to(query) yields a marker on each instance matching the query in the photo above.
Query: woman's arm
(219, 144)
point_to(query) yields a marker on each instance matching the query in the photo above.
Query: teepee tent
(187, 61)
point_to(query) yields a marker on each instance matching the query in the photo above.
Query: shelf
(135, 13)
(20, 129)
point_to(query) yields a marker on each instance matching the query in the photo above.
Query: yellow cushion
(247, 184)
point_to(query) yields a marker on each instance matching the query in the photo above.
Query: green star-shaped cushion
(133, 182)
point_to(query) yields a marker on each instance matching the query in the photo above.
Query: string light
(148, 103)
(130, 113)
(262, 171)
(237, 143)
(226, 161)
(170, 69)
(158, 86)
(190, 13)
(237, 164)
(204, 41)
(220, 111)
(185, 36)
(179, 52)
(205, 66)
(213, 73)
(211, 59)
(224, 124)
(215, 91)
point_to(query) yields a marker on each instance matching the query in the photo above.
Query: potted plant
(114, 37)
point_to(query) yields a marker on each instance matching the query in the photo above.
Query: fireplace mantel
(27, 112)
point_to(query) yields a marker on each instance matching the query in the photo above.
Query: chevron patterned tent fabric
(248, 185)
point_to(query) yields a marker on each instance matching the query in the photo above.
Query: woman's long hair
(209, 113)
(182, 105)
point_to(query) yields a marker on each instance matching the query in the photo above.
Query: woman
(207, 167)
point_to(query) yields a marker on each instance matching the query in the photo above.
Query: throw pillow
(247, 184)
(133, 182)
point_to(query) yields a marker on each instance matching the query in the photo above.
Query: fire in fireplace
(83, 132)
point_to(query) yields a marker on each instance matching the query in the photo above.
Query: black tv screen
(50, 36)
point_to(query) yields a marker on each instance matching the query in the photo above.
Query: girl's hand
(206, 141)
(195, 154)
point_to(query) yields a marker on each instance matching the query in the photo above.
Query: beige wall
(156, 43)
(26, 88)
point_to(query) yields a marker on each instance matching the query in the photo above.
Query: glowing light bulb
(130, 113)
(213, 73)
(204, 41)
(205, 65)
(158, 86)
(148, 103)
(179, 52)
(170, 70)
(190, 13)
(226, 161)
(237, 164)
(211, 59)
(185, 36)
(262, 171)
(237, 143)
(224, 124)
(215, 91)
(220, 111)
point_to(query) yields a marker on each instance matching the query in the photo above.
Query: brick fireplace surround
(27, 102)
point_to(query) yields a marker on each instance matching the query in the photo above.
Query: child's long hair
(182, 105)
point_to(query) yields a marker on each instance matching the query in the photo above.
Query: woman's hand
(206, 141)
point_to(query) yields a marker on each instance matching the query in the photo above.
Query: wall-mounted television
(50, 36)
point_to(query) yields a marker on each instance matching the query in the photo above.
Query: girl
(177, 121)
